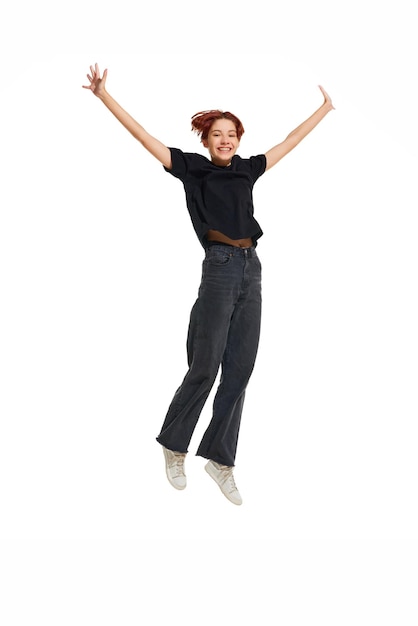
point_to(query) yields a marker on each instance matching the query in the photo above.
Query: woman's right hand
(97, 84)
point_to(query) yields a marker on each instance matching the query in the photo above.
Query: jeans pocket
(216, 256)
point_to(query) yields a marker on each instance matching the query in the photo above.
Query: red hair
(201, 122)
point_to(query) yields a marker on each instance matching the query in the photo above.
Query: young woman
(225, 319)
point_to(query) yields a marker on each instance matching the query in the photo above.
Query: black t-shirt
(219, 198)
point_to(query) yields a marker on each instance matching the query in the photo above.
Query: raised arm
(274, 155)
(154, 146)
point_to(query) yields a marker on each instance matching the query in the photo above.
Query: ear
(205, 143)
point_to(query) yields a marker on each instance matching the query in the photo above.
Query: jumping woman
(224, 323)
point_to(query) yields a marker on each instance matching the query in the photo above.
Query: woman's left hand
(327, 99)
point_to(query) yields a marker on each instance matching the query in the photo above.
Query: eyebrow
(218, 130)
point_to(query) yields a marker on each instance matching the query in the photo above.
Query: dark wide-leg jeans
(223, 332)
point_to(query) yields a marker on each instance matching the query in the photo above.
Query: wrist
(102, 95)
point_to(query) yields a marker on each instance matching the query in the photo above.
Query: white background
(100, 267)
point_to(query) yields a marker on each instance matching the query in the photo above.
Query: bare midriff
(216, 235)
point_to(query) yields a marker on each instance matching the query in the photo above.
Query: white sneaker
(223, 476)
(174, 467)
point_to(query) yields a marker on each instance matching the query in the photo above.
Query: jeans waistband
(248, 253)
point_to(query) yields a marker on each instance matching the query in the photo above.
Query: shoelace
(227, 475)
(177, 463)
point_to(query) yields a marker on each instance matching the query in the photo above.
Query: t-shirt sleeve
(179, 164)
(258, 165)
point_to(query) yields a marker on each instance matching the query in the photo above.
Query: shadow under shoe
(174, 467)
(224, 477)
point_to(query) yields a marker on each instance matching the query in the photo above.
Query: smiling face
(222, 142)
